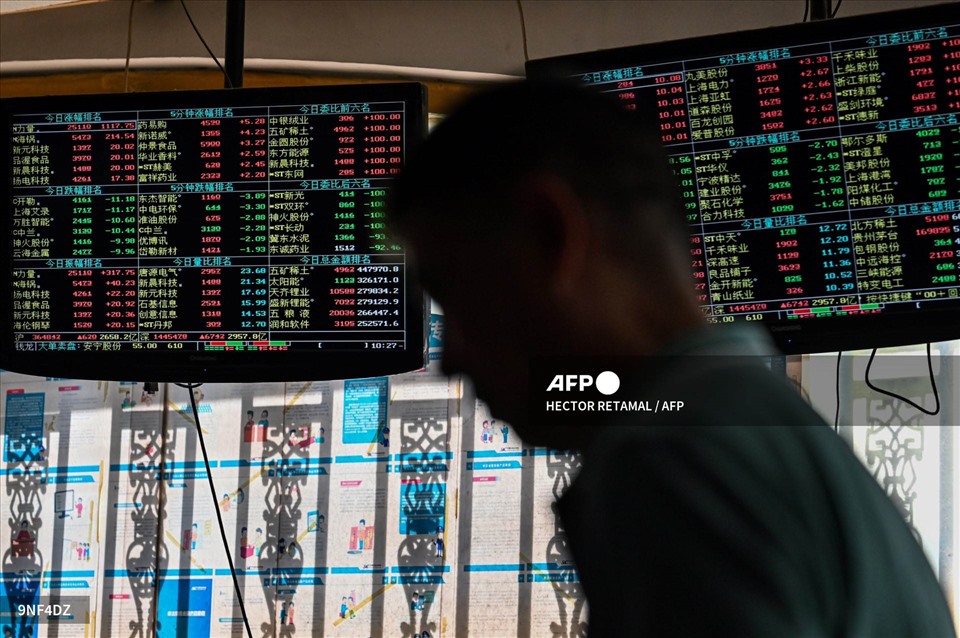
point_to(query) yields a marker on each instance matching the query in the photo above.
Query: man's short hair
(469, 166)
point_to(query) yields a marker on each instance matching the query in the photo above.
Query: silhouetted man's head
(544, 220)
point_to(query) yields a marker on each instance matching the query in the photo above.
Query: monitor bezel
(852, 332)
(217, 366)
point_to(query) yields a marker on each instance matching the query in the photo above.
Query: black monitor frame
(926, 324)
(218, 366)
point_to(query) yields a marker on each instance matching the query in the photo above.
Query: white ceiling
(12, 6)
(463, 35)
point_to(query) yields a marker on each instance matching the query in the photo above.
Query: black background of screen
(334, 360)
(898, 324)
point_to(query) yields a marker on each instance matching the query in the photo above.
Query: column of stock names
(819, 180)
(251, 227)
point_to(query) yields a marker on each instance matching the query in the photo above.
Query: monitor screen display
(819, 170)
(231, 235)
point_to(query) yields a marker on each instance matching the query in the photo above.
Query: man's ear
(552, 223)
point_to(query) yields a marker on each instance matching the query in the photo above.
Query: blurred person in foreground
(544, 221)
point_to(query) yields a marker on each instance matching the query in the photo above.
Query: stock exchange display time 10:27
(224, 226)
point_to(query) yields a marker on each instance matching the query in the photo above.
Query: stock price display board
(213, 221)
(819, 176)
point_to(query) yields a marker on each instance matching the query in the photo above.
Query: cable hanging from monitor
(216, 505)
(523, 31)
(205, 45)
(836, 8)
(836, 414)
(907, 400)
(126, 64)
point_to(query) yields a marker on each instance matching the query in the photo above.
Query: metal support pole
(820, 9)
(233, 57)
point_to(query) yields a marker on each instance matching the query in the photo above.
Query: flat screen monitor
(819, 169)
(226, 235)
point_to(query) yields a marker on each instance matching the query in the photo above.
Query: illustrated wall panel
(394, 506)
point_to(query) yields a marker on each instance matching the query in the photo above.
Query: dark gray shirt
(744, 515)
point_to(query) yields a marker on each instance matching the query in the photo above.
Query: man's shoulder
(721, 391)
(723, 376)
